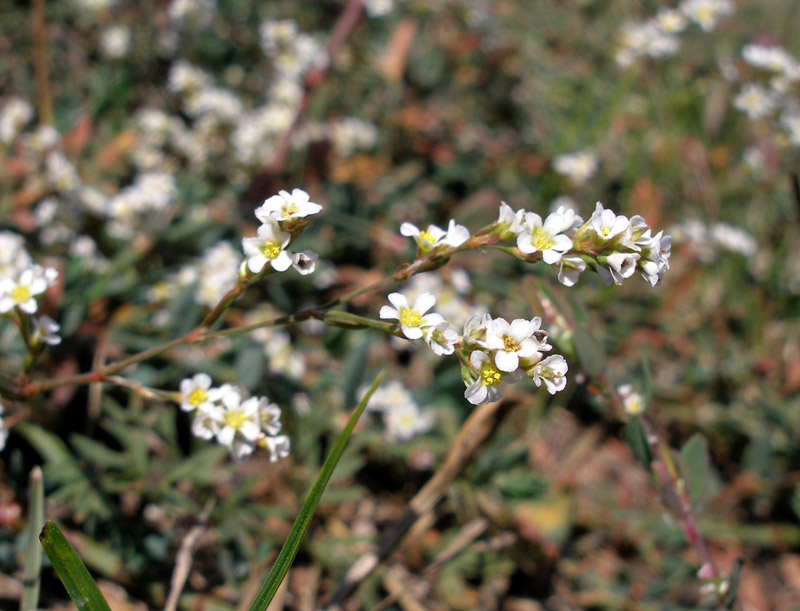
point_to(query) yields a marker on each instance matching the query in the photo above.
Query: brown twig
(43, 94)
(183, 560)
(477, 429)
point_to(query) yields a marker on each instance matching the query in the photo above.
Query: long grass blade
(80, 586)
(292, 544)
(33, 551)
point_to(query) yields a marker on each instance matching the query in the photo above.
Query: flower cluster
(493, 350)
(281, 219)
(771, 91)
(613, 245)
(658, 37)
(242, 425)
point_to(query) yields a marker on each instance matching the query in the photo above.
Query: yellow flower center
(271, 250)
(197, 397)
(290, 210)
(427, 237)
(605, 231)
(20, 294)
(541, 241)
(491, 376)
(509, 345)
(235, 420)
(410, 318)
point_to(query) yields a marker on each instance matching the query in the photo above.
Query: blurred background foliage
(464, 103)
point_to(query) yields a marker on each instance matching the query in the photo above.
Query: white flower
(270, 415)
(655, 252)
(441, 338)
(412, 320)
(552, 371)
(278, 447)
(670, 20)
(755, 101)
(548, 237)
(579, 166)
(509, 223)
(434, 236)
(406, 421)
(606, 224)
(45, 330)
(706, 13)
(485, 387)
(197, 394)
(240, 419)
(115, 41)
(268, 247)
(206, 422)
(569, 268)
(284, 206)
(619, 265)
(22, 290)
(632, 402)
(15, 114)
(513, 342)
(304, 262)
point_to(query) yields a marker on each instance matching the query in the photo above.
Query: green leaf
(637, 442)
(697, 471)
(292, 544)
(71, 571)
(590, 352)
(31, 575)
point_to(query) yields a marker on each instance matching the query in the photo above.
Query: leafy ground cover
(138, 139)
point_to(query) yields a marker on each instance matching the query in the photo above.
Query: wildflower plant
(183, 275)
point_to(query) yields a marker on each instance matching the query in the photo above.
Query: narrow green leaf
(33, 551)
(697, 470)
(637, 442)
(71, 571)
(292, 544)
(589, 350)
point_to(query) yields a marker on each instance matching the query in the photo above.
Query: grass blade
(71, 571)
(292, 544)
(33, 551)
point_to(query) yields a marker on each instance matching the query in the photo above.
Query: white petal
(282, 262)
(398, 300)
(506, 361)
(388, 312)
(424, 302)
(409, 230)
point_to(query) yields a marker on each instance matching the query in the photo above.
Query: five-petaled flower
(413, 320)
(285, 206)
(268, 247)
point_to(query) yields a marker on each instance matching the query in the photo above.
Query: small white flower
(240, 419)
(552, 371)
(45, 330)
(632, 402)
(755, 101)
(579, 166)
(509, 223)
(284, 206)
(206, 422)
(670, 20)
(22, 290)
(406, 421)
(434, 236)
(513, 342)
(197, 394)
(485, 387)
(270, 416)
(706, 13)
(304, 262)
(569, 268)
(412, 320)
(606, 224)
(441, 338)
(619, 266)
(278, 447)
(268, 247)
(548, 237)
